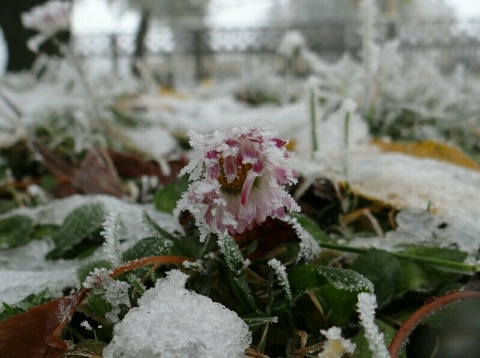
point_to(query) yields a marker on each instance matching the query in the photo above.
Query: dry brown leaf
(430, 149)
(36, 332)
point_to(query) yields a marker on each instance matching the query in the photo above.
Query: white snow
(172, 321)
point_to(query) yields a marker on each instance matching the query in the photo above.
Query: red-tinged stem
(152, 260)
(423, 312)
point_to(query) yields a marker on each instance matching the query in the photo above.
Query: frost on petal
(335, 346)
(367, 303)
(237, 179)
(48, 18)
(174, 322)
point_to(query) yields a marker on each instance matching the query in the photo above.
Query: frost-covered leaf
(84, 270)
(150, 246)
(15, 231)
(363, 351)
(314, 230)
(86, 348)
(166, 198)
(383, 270)
(82, 223)
(345, 279)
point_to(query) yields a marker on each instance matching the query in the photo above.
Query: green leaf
(256, 320)
(340, 305)
(15, 231)
(345, 279)
(149, 246)
(243, 292)
(166, 198)
(166, 238)
(305, 278)
(232, 254)
(383, 270)
(440, 253)
(81, 224)
(312, 228)
(28, 302)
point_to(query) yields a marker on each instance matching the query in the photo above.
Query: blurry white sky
(93, 16)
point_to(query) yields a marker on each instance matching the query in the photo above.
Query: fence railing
(196, 53)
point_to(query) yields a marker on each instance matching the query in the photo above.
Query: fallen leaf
(430, 149)
(36, 332)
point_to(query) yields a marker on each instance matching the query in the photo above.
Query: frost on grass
(111, 229)
(367, 303)
(281, 273)
(336, 346)
(309, 248)
(172, 321)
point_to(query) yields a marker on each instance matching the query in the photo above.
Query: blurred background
(184, 41)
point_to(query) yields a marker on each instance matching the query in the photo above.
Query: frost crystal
(309, 248)
(237, 179)
(174, 322)
(367, 303)
(48, 19)
(335, 346)
(116, 293)
(86, 325)
(111, 229)
(96, 277)
(281, 273)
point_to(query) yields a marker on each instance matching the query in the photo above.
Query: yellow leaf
(430, 149)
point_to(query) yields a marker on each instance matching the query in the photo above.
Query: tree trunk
(140, 37)
(20, 57)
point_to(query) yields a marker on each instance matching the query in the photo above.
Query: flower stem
(423, 312)
(313, 122)
(457, 266)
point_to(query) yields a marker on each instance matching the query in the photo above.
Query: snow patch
(172, 321)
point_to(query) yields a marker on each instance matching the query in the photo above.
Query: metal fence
(183, 55)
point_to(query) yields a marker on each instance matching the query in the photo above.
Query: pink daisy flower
(237, 179)
(48, 19)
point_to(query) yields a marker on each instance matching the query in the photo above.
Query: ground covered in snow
(387, 168)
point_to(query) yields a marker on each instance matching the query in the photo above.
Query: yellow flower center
(237, 184)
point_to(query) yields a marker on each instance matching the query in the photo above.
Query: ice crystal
(232, 254)
(367, 303)
(116, 293)
(335, 346)
(237, 179)
(97, 276)
(111, 229)
(309, 248)
(281, 273)
(86, 325)
(174, 322)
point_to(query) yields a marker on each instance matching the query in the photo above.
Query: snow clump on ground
(172, 321)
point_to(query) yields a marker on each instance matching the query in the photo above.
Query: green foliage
(362, 350)
(15, 231)
(81, 226)
(166, 198)
(383, 270)
(28, 302)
